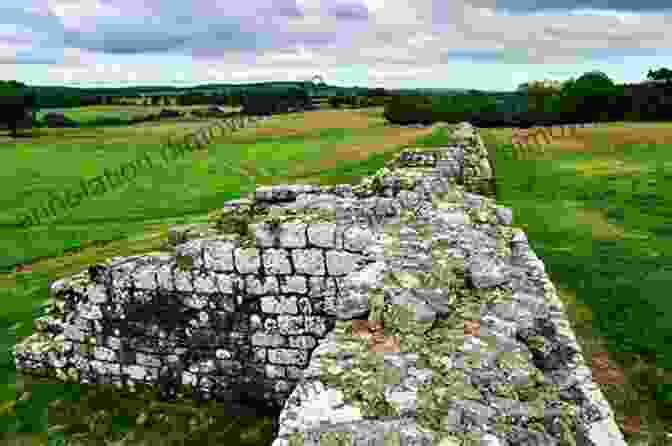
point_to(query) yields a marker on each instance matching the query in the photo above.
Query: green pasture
(82, 115)
(602, 232)
(600, 221)
(99, 115)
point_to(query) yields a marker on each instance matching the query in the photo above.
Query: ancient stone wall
(405, 308)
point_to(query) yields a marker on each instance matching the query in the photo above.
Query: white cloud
(405, 40)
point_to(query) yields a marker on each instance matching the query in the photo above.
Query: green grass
(84, 114)
(621, 280)
(636, 204)
(112, 115)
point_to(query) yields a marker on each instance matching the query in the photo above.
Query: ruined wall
(406, 305)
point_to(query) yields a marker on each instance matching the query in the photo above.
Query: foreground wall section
(404, 309)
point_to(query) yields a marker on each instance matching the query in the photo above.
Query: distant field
(56, 159)
(595, 206)
(125, 112)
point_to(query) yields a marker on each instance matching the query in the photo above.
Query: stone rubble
(405, 309)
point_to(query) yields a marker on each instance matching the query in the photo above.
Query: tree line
(593, 97)
(590, 98)
(17, 102)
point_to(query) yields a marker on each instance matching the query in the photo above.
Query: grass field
(594, 206)
(119, 115)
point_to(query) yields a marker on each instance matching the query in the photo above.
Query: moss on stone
(184, 263)
(434, 342)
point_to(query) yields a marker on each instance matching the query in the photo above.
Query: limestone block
(291, 325)
(357, 238)
(247, 260)
(283, 356)
(294, 284)
(268, 340)
(302, 342)
(341, 263)
(258, 286)
(279, 305)
(228, 283)
(504, 215)
(218, 255)
(276, 261)
(322, 235)
(309, 261)
(205, 284)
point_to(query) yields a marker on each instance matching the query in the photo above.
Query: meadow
(596, 208)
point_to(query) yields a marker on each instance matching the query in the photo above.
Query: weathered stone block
(247, 260)
(293, 284)
(322, 235)
(308, 261)
(218, 256)
(276, 261)
(258, 286)
(341, 263)
(279, 305)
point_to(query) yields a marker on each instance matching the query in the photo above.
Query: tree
(593, 83)
(592, 95)
(540, 97)
(16, 105)
(659, 74)
(335, 101)
(371, 92)
(12, 84)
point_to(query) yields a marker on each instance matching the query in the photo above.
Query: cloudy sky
(480, 44)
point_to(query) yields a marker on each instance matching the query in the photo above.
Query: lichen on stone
(184, 262)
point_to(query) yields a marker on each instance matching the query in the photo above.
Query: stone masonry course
(406, 310)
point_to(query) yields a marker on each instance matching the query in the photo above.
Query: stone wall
(405, 308)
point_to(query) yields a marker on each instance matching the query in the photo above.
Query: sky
(473, 44)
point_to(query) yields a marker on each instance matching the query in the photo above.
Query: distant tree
(335, 101)
(659, 74)
(12, 84)
(594, 79)
(540, 96)
(302, 100)
(376, 92)
(592, 95)
(89, 100)
(15, 107)
(221, 99)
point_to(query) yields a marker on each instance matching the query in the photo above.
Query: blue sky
(479, 44)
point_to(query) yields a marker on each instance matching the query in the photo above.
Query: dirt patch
(607, 138)
(324, 119)
(277, 131)
(600, 227)
(297, 124)
(643, 135)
